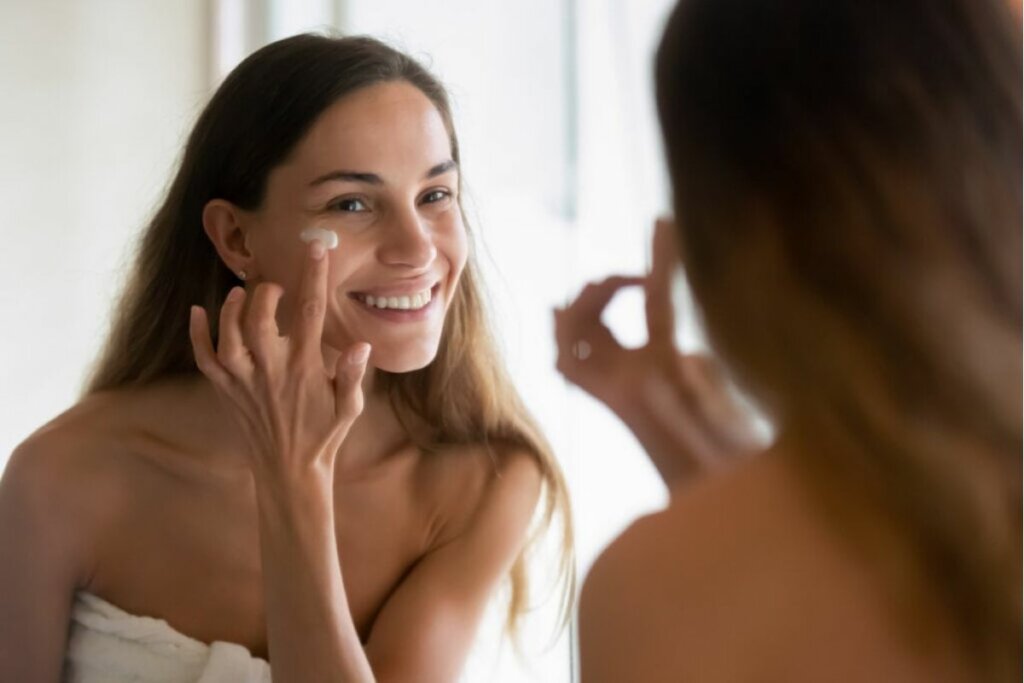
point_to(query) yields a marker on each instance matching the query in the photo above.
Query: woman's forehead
(381, 124)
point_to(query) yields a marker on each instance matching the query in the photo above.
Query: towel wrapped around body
(108, 645)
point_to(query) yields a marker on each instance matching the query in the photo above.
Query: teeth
(403, 303)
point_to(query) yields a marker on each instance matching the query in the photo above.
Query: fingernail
(317, 249)
(359, 354)
(235, 294)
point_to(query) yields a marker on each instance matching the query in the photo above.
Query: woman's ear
(223, 223)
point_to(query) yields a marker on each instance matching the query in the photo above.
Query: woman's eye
(435, 196)
(350, 205)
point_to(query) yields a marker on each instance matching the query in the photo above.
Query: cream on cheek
(328, 237)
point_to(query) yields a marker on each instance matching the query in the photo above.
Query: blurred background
(553, 103)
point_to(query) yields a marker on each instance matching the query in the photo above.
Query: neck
(374, 435)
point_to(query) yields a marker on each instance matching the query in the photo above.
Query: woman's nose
(408, 241)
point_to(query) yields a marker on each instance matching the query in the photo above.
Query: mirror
(560, 160)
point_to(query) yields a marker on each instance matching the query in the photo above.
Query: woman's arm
(294, 415)
(426, 628)
(42, 546)
(309, 624)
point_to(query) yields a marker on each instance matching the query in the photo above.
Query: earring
(241, 275)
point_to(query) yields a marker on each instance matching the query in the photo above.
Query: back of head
(847, 182)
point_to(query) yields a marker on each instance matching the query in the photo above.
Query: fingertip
(196, 315)
(317, 249)
(359, 354)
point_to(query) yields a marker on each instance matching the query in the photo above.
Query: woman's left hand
(679, 405)
(294, 413)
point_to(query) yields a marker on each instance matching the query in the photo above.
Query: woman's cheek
(457, 248)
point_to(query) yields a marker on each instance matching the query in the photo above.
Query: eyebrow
(374, 179)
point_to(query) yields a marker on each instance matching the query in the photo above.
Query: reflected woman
(847, 185)
(324, 465)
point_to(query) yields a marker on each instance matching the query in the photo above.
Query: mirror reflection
(512, 207)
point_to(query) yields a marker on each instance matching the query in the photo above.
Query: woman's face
(376, 169)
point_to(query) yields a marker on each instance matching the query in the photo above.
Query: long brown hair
(255, 118)
(847, 185)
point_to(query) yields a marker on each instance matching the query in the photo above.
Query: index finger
(596, 295)
(661, 318)
(311, 305)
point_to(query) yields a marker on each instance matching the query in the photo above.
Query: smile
(395, 307)
(405, 302)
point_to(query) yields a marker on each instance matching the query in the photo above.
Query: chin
(405, 360)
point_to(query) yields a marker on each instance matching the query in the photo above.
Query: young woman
(847, 189)
(349, 475)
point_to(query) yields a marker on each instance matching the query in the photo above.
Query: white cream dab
(328, 237)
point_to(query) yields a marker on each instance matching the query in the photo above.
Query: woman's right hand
(293, 412)
(679, 406)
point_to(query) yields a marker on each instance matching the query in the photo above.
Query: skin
(247, 504)
(739, 578)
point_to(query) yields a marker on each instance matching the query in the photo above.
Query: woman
(345, 483)
(847, 187)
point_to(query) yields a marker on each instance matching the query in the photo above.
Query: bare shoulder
(110, 442)
(50, 509)
(59, 476)
(484, 502)
(59, 491)
(68, 443)
(666, 595)
(743, 563)
(470, 484)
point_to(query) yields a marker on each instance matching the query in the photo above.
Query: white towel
(108, 645)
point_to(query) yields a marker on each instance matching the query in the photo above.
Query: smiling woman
(375, 169)
(332, 480)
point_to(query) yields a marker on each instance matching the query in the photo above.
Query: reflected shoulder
(63, 473)
(469, 483)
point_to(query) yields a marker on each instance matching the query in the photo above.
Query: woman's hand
(295, 415)
(678, 405)
(293, 412)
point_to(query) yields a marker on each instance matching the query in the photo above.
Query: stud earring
(241, 275)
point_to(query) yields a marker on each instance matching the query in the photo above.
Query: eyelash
(337, 205)
(445, 194)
